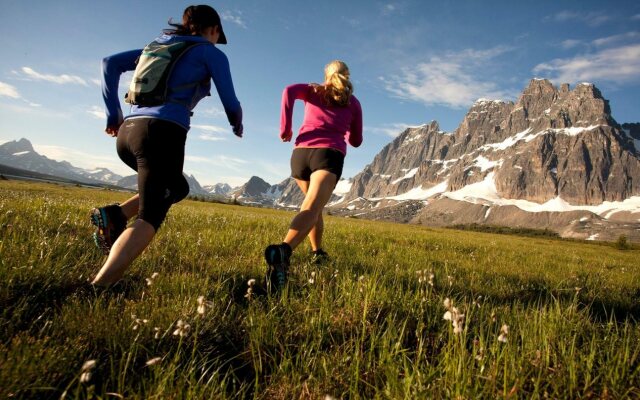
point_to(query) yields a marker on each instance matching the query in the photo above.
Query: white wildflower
(137, 323)
(312, 280)
(453, 314)
(504, 332)
(182, 328)
(201, 305)
(85, 375)
(250, 284)
(431, 276)
(447, 303)
(88, 365)
(153, 361)
(152, 278)
(157, 333)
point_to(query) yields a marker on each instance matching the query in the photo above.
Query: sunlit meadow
(400, 312)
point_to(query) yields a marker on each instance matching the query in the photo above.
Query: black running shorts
(155, 149)
(305, 161)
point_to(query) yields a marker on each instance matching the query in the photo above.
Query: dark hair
(194, 20)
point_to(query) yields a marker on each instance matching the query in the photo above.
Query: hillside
(542, 317)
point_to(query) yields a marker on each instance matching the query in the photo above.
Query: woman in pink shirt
(332, 117)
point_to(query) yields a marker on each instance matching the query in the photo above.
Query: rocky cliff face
(552, 142)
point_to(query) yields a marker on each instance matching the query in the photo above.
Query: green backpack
(149, 86)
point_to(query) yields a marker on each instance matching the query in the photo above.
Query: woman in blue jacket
(151, 139)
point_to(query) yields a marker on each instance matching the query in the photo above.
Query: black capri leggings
(155, 149)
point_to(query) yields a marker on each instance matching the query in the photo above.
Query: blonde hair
(337, 88)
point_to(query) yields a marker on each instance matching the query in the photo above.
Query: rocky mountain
(131, 182)
(255, 187)
(21, 154)
(219, 189)
(553, 150)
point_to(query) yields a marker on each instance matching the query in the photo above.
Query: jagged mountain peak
(17, 146)
(552, 142)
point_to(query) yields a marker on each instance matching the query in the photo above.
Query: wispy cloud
(570, 43)
(11, 92)
(592, 18)
(7, 90)
(210, 128)
(610, 40)
(450, 80)
(636, 17)
(391, 130)
(234, 17)
(59, 79)
(219, 160)
(97, 112)
(213, 112)
(617, 65)
(211, 138)
(211, 132)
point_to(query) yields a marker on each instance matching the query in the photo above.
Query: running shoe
(277, 257)
(110, 222)
(319, 257)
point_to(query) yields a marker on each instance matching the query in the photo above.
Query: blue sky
(411, 62)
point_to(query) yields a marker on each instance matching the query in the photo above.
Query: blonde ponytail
(337, 88)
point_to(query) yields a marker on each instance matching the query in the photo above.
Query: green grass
(367, 327)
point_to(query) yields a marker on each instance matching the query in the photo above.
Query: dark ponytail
(194, 20)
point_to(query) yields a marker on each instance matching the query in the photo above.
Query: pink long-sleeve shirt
(323, 126)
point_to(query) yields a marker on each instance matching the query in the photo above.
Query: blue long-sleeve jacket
(200, 64)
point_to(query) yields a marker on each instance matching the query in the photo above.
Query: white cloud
(10, 91)
(211, 138)
(211, 132)
(211, 112)
(450, 80)
(87, 160)
(590, 18)
(7, 90)
(59, 79)
(609, 40)
(618, 65)
(96, 82)
(392, 130)
(210, 128)
(636, 17)
(570, 43)
(235, 18)
(97, 112)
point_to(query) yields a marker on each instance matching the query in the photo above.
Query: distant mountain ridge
(21, 154)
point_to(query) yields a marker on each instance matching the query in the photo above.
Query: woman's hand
(286, 137)
(112, 130)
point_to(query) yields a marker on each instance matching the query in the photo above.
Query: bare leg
(315, 235)
(130, 206)
(318, 194)
(127, 248)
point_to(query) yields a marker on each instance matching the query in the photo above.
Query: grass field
(543, 318)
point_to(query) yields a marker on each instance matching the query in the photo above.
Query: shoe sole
(98, 218)
(270, 254)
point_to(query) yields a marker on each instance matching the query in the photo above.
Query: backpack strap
(174, 89)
